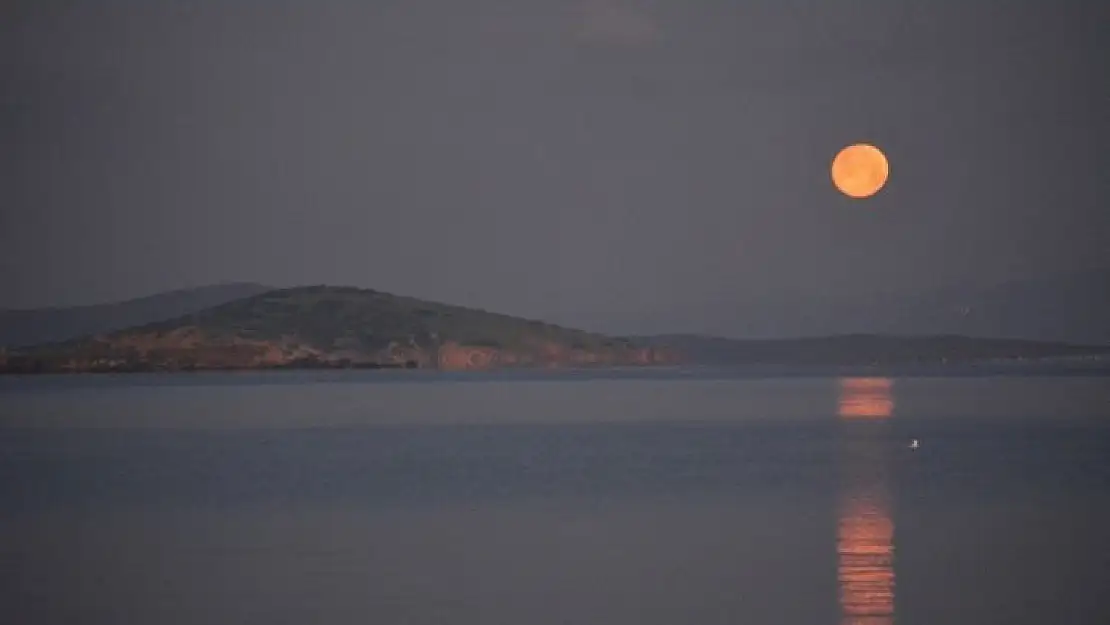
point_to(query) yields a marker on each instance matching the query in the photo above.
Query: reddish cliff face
(455, 357)
(185, 348)
(191, 348)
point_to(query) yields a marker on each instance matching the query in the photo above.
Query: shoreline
(1097, 368)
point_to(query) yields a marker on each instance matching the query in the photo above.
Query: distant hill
(324, 326)
(48, 325)
(334, 327)
(864, 350)
(1072, 307)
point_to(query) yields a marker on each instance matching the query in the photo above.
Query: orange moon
(860, 170)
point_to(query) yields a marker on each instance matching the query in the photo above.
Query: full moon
(860, 170)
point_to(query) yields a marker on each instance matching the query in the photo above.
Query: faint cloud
(616, 22)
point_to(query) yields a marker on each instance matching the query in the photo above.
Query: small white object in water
(913, 444)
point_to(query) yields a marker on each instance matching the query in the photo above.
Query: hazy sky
(637, 164)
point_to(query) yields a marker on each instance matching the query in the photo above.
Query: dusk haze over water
(614, 312)
(624, 166)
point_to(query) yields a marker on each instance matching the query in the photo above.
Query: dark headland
(333, 327)
(343, 327)
(20, 328)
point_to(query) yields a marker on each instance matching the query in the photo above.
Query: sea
(693, 496)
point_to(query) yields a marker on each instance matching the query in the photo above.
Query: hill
(334, 327)
(49, 325)
(866, 350)
(325, 326)
(1068, 307)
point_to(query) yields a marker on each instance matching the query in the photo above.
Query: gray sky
(636, 165)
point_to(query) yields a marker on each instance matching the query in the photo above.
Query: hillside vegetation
(325, 326)
(368, 320)
(35, 326)
(336, 326)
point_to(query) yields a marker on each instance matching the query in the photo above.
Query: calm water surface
(680, 497)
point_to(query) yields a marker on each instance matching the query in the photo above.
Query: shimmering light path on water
(687, 498)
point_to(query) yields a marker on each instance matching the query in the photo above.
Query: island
(351, 328)
(334, 327)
